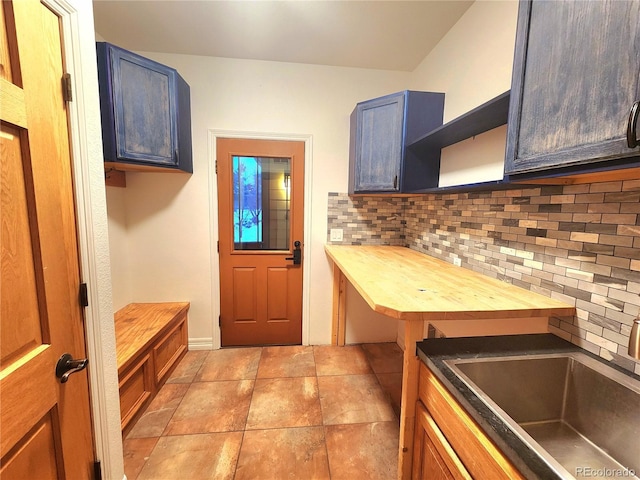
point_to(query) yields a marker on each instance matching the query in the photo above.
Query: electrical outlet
(336, 235)
(457, 261)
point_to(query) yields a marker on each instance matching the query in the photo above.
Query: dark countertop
(434, 352)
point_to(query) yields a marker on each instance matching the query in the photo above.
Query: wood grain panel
(245, 293)
(9, 67)
(19, 416)
(277, 294)
(170, 349)
(480, 456)
(20, 319)
(12, 104)
(136, 386)
(435, 445)
(34, 457)
(408, 285)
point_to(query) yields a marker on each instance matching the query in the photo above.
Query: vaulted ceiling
(387, 35)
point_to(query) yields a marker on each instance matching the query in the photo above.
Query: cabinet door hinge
(97, 471)
(67, 90)
(83, 295)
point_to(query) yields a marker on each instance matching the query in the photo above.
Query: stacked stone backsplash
(577, 243)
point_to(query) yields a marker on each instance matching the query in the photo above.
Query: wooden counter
(407, 285)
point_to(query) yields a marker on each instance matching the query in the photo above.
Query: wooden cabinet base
(151, 338)
(465, 449)
(433, 456)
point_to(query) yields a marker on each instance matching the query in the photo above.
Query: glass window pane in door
(261, 203)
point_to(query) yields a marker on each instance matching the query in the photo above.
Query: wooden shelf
(481, 119)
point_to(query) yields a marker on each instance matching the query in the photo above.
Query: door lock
(297, 254)
(67, 365)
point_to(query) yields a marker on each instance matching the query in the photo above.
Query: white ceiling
(388, 35)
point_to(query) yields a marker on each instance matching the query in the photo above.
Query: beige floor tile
(284, 402)
(188, 367)
(384, 357)
(157, 415)
(353, 399)
(280, 362)
(194, 457)
(365, 451)
(136, 452)
(230, 364)
(289, 453)
(212, 407)
(332, 360)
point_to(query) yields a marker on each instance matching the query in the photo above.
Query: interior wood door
(260, 224)
(45, 425)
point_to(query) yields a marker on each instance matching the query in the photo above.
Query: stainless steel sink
(581, 415)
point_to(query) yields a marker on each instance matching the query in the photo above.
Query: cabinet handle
(632, 126)
(395, 182)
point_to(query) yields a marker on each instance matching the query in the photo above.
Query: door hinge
(67, 90)
(216, 167)
(97, 471)
(83, 295)
(220, 321)
(218, 242)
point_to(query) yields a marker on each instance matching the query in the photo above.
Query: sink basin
(579, 414)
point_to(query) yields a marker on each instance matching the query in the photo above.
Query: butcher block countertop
(408, 285)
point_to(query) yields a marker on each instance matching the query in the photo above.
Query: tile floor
(272, 413)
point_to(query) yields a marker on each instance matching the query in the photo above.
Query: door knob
(67, 365)
(297, 254)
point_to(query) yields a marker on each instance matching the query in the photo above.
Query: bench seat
(151, 338)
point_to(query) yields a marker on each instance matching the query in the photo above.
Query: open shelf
(481, 119)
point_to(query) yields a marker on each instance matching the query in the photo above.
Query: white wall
(169, 239)
(119, 248)
(472, 64)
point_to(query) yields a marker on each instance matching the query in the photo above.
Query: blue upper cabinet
(381, 130)
(575, 80)
(146, 112)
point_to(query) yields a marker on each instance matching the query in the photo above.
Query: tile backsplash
(577, 243)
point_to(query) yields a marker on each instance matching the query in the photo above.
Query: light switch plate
(457, 261)
(336, 235)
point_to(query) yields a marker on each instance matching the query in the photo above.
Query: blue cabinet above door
(145, 110)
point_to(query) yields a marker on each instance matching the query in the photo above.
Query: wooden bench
(151, 338)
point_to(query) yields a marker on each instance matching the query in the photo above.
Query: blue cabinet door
(576, 76)
(379, 133)
(144, 103)
(145, 110)
(381, 129)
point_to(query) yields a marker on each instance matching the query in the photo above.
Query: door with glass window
(260, 230)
